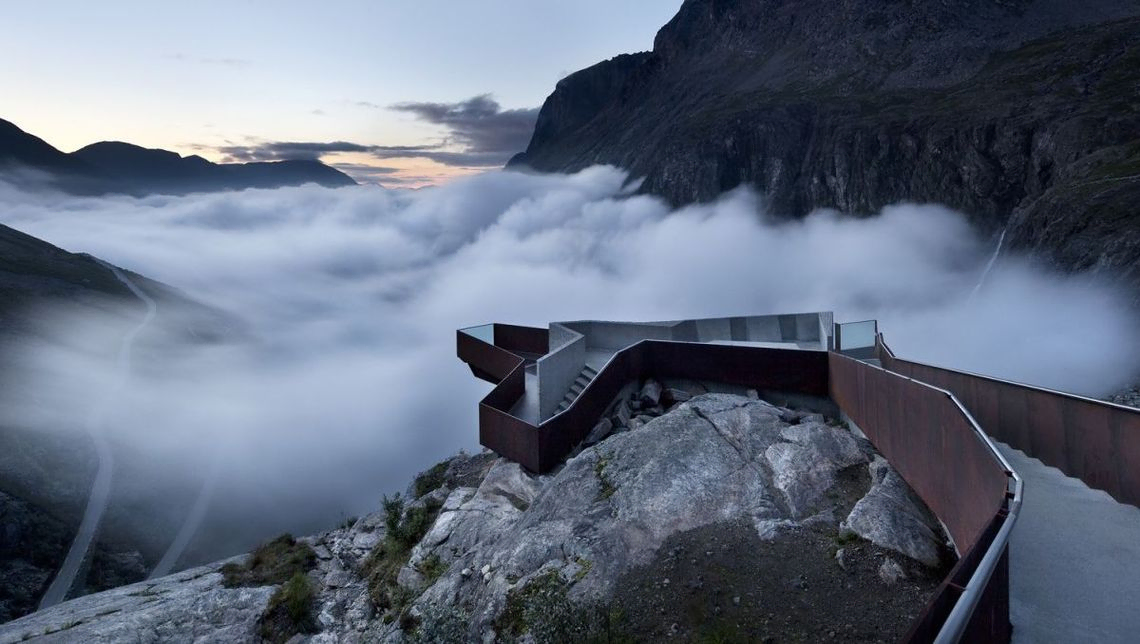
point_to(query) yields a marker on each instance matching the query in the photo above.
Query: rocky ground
(718, 518)
(1129, 396)
(33, 542)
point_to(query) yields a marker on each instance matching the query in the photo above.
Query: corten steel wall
(522, 338)
(511, 437)
(1096, 442)
(487, 361)
(931, 442)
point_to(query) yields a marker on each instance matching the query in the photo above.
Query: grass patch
(606, 487)
(271, 563)
(431, 480)
(543, 609)
(404, 531)
(584, 567)
(290, 611)
(432, 568)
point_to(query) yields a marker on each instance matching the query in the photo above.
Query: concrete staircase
(584, 377)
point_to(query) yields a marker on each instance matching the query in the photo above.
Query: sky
(400, 92)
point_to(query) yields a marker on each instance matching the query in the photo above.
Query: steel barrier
(937, 447)
(1095, 441)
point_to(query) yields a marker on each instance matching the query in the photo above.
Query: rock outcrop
(489, 537)
(1023, 114)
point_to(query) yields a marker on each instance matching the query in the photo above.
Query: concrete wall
(558, 369)
(807, 327)
(618, 335)
(764, 328)
(799, 327)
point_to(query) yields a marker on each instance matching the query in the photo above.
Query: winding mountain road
(96, 428)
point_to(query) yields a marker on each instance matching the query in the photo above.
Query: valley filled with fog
(343, 382)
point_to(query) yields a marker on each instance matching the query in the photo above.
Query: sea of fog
(346, 382)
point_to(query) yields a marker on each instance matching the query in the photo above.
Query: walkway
(1074, 560)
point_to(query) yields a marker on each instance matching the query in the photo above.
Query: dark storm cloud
(479, 125)
(282, 150)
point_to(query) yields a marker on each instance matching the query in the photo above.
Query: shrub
(431, 480)
(290, 611)
(274, 562)
(381, 569)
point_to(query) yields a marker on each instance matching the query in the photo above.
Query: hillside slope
(1023, 113)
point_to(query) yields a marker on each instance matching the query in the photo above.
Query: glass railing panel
(857, 335)
(484, 332)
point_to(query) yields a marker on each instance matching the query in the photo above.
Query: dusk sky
(419, 90)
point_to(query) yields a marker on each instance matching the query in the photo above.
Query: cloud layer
(349, 383)
(478, 134)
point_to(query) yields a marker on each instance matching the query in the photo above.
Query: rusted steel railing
(1095, 441)
(937, 447)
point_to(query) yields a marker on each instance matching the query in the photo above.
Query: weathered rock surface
(713, 459)
(1129, 396)
(191, 606)
(891, 516)
(1019, 113)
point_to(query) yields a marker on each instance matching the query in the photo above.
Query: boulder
(891, 572)
(891, 516)
(604, 427)
(650, 394)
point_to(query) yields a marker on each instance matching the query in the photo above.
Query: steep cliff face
(1023, 113)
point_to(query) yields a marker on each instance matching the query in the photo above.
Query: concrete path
(101, 487)
(1074, 561)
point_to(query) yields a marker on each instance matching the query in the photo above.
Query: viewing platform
(553, 385)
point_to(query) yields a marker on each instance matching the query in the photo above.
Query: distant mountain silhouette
(117, 167)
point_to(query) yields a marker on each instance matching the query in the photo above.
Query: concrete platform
(1074, 560)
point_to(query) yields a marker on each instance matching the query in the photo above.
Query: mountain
(117, 167)
(1024, 114)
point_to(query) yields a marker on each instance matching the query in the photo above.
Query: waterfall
(990, 264)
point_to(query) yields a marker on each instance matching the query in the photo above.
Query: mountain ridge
(120, 167)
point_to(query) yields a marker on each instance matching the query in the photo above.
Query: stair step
(577, 389)
(563, 406)
(582, 380)
(590, 370)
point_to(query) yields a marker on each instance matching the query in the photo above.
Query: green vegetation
(275, 562)
(606, 487)
(543, 609)
(290, 611)
(432, 479)
(404, 531)
(584, 567)
(432, 568)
